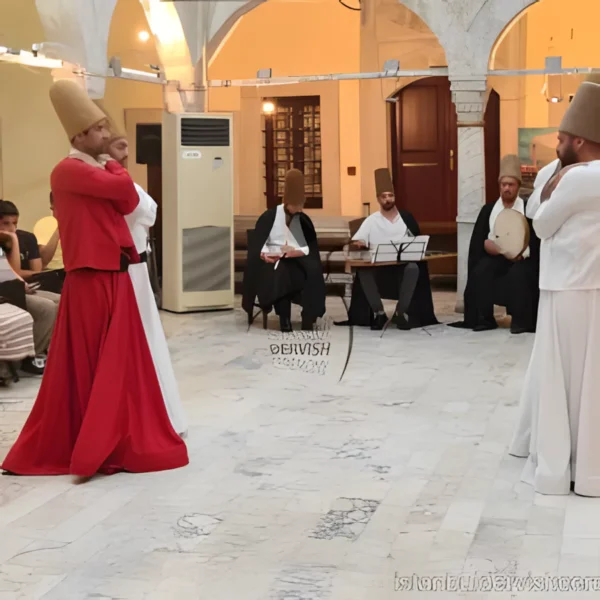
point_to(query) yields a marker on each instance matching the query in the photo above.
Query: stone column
(468, 96)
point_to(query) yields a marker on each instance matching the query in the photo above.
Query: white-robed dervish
(562, 386)
(139, 222)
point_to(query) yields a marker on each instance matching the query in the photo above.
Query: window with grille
(292, 139)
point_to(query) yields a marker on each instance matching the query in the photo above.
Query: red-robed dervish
(99, 408)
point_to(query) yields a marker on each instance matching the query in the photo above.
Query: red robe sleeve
(113, 184)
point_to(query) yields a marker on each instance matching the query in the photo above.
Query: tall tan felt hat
(510, 166)
(75, 110)
(593, 78)
(116, 133)
(383, 182)
(294, 188)
(582, 118)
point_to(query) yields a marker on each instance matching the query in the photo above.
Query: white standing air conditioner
(197, 207)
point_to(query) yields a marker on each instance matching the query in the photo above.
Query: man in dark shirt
(30, 258)
(24, 257)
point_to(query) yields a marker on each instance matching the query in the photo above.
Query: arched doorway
(424, 153)
(424, 136)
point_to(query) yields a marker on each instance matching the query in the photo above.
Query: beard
(568, 156)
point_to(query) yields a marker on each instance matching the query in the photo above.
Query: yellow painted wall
(128, 20)
(389, 31)
(32, 139)
(304, 38)
(546, 29)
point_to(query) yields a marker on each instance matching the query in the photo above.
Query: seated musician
(487, 267)
(284, 264)
(407, 283)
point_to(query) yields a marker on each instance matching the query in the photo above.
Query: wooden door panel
(424, 153)
(419, 120)
(424, 179)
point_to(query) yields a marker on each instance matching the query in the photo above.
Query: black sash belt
(143, 257)
(125, 262)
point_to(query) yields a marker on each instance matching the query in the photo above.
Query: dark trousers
(407, 282)
(519, 291)
(296, 280)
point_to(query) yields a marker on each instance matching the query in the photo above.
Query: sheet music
(408, 249)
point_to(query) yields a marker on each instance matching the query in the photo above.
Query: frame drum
(511, 233)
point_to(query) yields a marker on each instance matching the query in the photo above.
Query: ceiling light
(143, 36)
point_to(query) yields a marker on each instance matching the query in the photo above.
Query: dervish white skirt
(158, 346)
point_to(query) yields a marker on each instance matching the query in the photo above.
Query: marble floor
(304, 487)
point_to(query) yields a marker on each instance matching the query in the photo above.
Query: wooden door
(492, 147)
(424, 153)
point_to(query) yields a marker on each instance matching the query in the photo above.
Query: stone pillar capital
(468, 95)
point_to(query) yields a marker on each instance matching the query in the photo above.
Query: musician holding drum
(503, 260)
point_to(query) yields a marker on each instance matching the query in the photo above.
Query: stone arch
(505, 32)
(417, 46)
(165, 24)
(468, 30)
(76, 31)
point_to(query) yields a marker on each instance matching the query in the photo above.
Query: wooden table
(352, 264)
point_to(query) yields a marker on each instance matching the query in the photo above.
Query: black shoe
(308, 324)
(285, 324)
(34, 366)
(460, 325)
(517, 329)
(379, 322)
(401, 322)
(486, 326)
(342, 323)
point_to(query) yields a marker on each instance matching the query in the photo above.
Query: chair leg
(265, 316)
(12, 367)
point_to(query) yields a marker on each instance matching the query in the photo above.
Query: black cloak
(298, 278)
(420, 311)
(517, 288)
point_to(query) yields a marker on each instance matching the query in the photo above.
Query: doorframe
(492, 150)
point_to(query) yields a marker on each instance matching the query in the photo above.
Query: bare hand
(491, 248)
(268, 259)
(294, 254)
(104, 158)
(7, 237)
(287, 249)
(358, 245)
(29, 290)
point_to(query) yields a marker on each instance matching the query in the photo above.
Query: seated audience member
(408, 283)
(46, 232)
(43, 306)
(16, 334)
(486, 266)
(284, 264)
(30, 263)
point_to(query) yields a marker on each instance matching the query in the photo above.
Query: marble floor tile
(302, 486)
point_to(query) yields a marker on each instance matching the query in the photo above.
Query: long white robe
(562, 386)
(542, 178)
(519, 445)
(139, 222)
